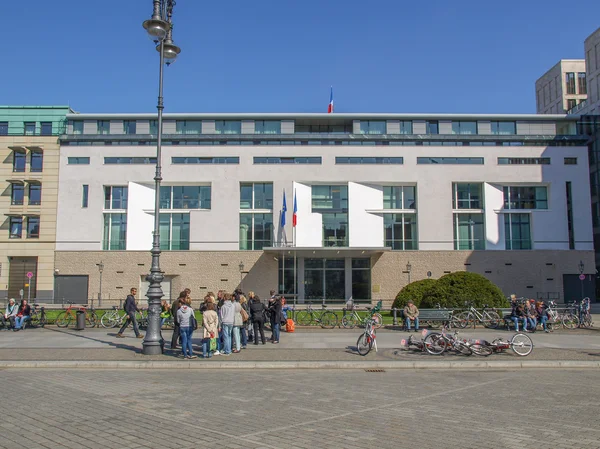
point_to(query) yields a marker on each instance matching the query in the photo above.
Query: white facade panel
(494, 221)
(140, 221)
(365, 228)
(309, 230)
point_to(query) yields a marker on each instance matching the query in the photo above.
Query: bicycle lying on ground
(366, 341)
(64, 318)
(437, 343)
(326, 319)
(521, 344)
(351, 318)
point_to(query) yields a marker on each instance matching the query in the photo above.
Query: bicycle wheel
(462, 319)
(43, 320)
(34, 320)
(109, 320)
(349, 321)
(364, 344)
(587, 321)
(304, 318)
(481, 350)
(378, 320)
(491, 319)
(434, 343)
(570, 321)
(328, 320)
(63, 319)
(91, 319)
(521, 344)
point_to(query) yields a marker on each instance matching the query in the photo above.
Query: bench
(430, 317)
(509, 323)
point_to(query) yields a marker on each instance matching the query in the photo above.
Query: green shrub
(417, 291)
(454, 289)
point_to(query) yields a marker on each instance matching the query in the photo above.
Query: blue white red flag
(295, 217)
(330, 107)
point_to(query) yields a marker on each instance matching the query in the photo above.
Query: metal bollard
(395, 322)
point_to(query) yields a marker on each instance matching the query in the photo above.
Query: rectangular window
(267, 127)
(570, 83)
(581, 83)
(288, 278)
(366, 160)
(115, 232)
(205, 160)
(399, 197)
(406, 127)
(129, 126)
(469, 232)
(17, 194)
(84, 196)
(185, 197)
(153, 127)
(129, 160)
(467, 196)
(504, 128)
(46, 128)
(361, 280)
(373, 127)
(400, 231)
(78, 160)
(464, 127)
(287, 160)
(228, 127)
(33, 227)
(19, 161)
(451, 160)
(571, 103)
(16, 227)
(256, 195)
(517, 231)
(115, 197)
(432, 127)
(35, 194)
(29, 128)
(324, 129)
(256, 231)
(525, 197)
(103, 126)
(3, 128)
(570, 161)
(335, 229)
(324, 279)
(188, 127)
(570, 215)
(77, 126)
(175, 232)
(524, 161)
(330, 199)
(37, 161)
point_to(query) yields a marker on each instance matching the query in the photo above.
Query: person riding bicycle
(411, 313)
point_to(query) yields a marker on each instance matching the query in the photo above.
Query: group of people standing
(15, 315)
(229, 321)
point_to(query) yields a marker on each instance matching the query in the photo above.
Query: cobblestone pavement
(299, 409)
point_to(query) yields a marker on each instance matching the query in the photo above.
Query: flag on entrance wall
(283, 210)
(294, 217)
(330, 107)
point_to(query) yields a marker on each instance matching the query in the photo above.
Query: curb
(199, 365)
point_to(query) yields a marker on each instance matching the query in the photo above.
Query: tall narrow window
(46, 128)
(33, 227)
(432, 127)
(129, 126)
(18, 161)
(469, 233)
(517, 231)
(17, 194)
(29, 128)
(84, 195)
(115, 231)
(16, 227)
(467, 196)
(77, 126)
(154, 127)
(256, 228)
(581, 83)
(571, 103)
(3, 128)
(35, 194)
(37, 161)
(570, 83)
(175, 231)
(570, 216)
(103, 126)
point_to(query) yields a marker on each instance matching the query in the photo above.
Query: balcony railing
(577, 108)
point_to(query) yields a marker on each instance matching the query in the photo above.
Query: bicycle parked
(488, 317)
(325, 318)
(568, 318)
(585, 315)
(38, 317)
(114, 318)
(366, 341)
(64, 318)
(352, 319)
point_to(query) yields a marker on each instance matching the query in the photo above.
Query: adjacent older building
(379, 200)
(29, 177)
(562, 88)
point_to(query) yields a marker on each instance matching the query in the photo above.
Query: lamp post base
(153, 348)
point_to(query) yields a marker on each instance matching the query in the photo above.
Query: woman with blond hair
(244, 328)
(210, 325)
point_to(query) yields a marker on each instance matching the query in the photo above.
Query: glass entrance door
(324, 279)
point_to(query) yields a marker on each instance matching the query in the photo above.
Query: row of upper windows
(329, 198)
(317, 160)
(26, 129)
(191, 127)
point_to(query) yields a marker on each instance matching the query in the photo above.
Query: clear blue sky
(282, 56)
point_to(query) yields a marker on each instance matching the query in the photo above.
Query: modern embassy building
(382, 200)
(29, 185)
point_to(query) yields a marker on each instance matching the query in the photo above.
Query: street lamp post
(408, 270)
(581, 267)
(160, 30)
(241, 267)
(100, 270)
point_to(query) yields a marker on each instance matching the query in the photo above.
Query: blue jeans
(206, 347)
(186, 340)
(276, 327)
(236, 338)
(20, 320)
(227, 331)
(532, 323)
(416, 321)
(244, 333)
(516, 320)
(543, 322)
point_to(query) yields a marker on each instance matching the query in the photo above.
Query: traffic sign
(582, 277)
(26, 285)
(30, 275)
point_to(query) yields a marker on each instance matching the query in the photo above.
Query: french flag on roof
(330, 107)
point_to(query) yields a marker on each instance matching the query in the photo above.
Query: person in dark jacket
(23, 315)
(275, 309)
(257, 309)
(180, 301)
(130, 309)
